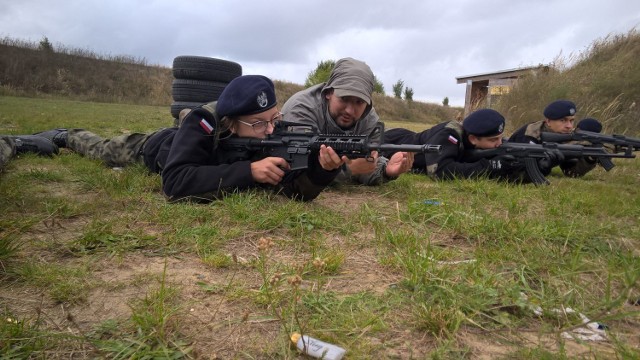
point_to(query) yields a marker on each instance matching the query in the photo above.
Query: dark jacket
(531, 134)
(192, 166)
(450, 161)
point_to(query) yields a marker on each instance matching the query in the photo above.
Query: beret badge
(262, 99)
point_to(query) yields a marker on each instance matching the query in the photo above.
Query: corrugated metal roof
(502, 73)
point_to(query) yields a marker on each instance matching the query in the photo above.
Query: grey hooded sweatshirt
(310, 107)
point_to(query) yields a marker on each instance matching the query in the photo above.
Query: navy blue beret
(590, 124)
(246, 95)
(484, 122)
(559, 109)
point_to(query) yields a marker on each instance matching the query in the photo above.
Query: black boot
(57, 136)
(35, 144)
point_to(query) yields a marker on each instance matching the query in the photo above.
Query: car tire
(205, 68)
(178, 106)
(201, 91)
(199, 80)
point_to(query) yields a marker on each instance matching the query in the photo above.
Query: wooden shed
(483, 89)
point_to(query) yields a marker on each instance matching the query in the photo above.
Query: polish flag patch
(206, 126)
(453, 140)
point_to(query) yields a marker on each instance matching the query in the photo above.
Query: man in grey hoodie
(343, 105)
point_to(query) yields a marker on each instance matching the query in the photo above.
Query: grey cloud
(425, 43)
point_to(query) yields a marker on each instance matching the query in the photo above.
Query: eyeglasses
(260, 125)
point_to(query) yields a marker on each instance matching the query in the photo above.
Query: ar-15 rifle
(294, 142)
(530, 153)
(620, 143)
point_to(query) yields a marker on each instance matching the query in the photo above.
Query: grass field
(96, 264)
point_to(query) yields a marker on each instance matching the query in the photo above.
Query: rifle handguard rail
(294, 143)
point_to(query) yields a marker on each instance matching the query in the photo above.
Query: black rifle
(620, 143)
(530, 153)
(294, 142)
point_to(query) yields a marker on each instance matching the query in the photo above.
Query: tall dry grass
(602, 81)
(28, 71)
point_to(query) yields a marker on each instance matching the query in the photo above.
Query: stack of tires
(199, 80)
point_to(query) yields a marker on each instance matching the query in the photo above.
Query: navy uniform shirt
(450, 161)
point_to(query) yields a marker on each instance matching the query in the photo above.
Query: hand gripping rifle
(529, 154)
(620, 143)
(295, 142)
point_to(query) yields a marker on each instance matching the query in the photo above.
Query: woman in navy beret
(191, 159)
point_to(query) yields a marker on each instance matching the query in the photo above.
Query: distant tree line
(322, 73)
(46, 46)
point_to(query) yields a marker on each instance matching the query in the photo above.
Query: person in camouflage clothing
(118, 151)
(7, 150)
(11, 145)
(188, 157)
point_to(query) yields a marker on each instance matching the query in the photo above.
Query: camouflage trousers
(115, 152)
(7, 150)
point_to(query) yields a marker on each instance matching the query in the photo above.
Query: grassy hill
(29, 71)
(38, 70)
(602, 81)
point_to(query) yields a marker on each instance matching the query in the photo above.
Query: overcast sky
(427, 44)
